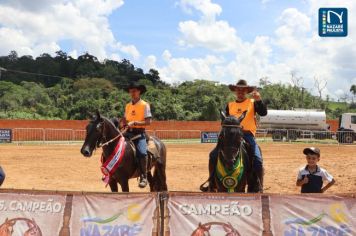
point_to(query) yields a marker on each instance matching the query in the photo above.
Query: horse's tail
(159, 173)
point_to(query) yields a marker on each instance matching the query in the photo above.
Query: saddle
(152, 149)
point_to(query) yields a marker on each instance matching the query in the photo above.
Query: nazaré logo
(332, 22)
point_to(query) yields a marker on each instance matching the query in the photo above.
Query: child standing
(311, 177)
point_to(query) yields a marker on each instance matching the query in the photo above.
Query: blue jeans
(141, 146)
(2, 176)
(257, 156)
(256, 152)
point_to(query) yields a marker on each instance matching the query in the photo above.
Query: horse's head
(230, 138)
(98, 130)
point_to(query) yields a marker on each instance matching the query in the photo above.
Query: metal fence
(309, 136)
(39, 135)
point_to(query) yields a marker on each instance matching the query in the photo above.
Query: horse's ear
(222, 115)
(98, 116)
(242, 116)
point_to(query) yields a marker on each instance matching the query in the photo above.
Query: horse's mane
(111, 121)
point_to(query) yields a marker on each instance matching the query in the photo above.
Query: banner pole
(65, 230)
(266, 216)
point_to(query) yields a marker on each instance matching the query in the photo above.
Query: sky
(215, 40)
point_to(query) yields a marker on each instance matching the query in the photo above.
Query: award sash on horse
(113, 161)
(230, 178)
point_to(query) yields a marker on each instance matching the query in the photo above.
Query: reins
(113, 139)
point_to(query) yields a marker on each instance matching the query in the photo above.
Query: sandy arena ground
(62, 167)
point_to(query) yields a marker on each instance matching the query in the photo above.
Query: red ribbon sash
(114, 160)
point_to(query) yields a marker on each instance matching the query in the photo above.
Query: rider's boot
(143, 174)
(260, 175)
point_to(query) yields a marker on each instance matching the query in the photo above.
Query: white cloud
(73, 54)
(293, 30)
(207, 32)
(150, 62)
(208, 9)
(181, 68)
(130, 50)
(295, 46)
(84, 23)
(214, 35)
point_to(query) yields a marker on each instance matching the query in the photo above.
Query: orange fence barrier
(156, 125)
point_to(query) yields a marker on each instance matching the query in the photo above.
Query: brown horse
(101, 130)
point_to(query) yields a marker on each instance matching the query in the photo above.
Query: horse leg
(150, 181)
(159, 173)
(113, 185)
(159, 177)
(213, 159)
(124, 182)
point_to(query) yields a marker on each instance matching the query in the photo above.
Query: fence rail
(39, 135)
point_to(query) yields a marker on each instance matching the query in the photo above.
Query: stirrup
(204, 188)
(143, 182)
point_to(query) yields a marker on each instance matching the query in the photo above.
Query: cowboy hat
(242, 84)
(138, 86)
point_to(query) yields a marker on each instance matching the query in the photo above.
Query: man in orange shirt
(236, 108)
(137, 118)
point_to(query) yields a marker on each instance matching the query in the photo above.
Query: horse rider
(137, 117)
(2, 176)
(249, 125)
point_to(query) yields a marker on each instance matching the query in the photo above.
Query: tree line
(62, 87)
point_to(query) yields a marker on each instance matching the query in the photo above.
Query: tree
(320, 85)
(296, 81)
(353, 91)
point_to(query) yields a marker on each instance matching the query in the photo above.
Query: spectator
(311, 177)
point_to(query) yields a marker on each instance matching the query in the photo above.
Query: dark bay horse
(101, 130)
(233, 170)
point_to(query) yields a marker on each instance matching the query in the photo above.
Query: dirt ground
(62, 167)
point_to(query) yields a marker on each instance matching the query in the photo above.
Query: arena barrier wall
(175, 213)
(156, 125)
(66, 136)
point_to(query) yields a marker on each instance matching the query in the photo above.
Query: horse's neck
(108, 149)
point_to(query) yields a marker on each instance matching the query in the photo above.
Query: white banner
(114, 215)
(31, 214)
(217, 215)
(313, 215)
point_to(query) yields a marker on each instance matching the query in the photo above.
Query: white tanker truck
(293, 124)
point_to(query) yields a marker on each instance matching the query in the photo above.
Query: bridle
(121, 134)
(236, 148)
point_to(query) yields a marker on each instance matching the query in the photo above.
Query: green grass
(335, 105)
